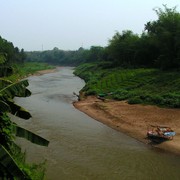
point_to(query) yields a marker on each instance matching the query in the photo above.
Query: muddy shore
(133, 120)
(46, 71)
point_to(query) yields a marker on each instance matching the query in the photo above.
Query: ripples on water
(80, 147)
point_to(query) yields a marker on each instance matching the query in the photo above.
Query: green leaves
(16, 89)
(18, 110)
(8, 105)
(30, 136)
(11, 167)
(123, 47)
(8, 92)
(7, 161)
(166, 34)
(4, 83)
(4, 107)
(2, 58)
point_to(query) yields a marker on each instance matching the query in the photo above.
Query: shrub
(135, 100)
(120, 94)
(148, 86)
(92, 92)
(157, 99)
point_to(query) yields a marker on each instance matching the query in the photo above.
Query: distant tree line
(57, 56)
(158, 47)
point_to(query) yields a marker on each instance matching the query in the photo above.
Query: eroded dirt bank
(133, 120)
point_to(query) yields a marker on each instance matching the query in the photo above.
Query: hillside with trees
(8, 56)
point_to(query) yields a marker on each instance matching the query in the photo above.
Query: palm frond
(4, 107)
(34, 138)
(4, 83)
(7, 161)
(5, 70)
(18, 110)
(16, 89)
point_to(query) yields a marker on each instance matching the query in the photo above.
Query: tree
(13, 55)
(166, 35)
(122, 48)
(146, 51)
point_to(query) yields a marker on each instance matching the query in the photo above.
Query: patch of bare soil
(133, 120)
(46, 71)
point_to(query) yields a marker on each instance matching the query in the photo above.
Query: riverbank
(133, 120)
(46, 71)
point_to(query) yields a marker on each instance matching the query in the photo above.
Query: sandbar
(133, 120)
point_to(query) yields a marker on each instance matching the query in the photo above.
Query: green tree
(13, 55)
(146, 51)
(166, 35)
(95, 54)
(122, 48)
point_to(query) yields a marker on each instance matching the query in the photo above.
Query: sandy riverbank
(133, 120)
(46, 71)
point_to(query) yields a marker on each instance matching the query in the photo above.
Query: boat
(160, 132)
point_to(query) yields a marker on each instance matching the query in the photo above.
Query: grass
(27, 68)
(33, 171)
(146, 86)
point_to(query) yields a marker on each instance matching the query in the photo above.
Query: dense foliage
(158, 46)
(12, 164)
(61, 57)
(139, 68)
(10, 53)
(141, 85)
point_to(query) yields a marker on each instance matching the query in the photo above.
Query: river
(80, 147)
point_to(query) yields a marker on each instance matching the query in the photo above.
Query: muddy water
(80, 147)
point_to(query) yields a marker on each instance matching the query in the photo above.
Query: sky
(69, 24)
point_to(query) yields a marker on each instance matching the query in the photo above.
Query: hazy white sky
(69, 24)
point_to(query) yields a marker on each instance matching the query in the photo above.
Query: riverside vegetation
(157, 47)
(13, 163)
(137, 68)
(13, 68)
(137, 86)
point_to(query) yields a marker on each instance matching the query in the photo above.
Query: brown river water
(80, 147)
